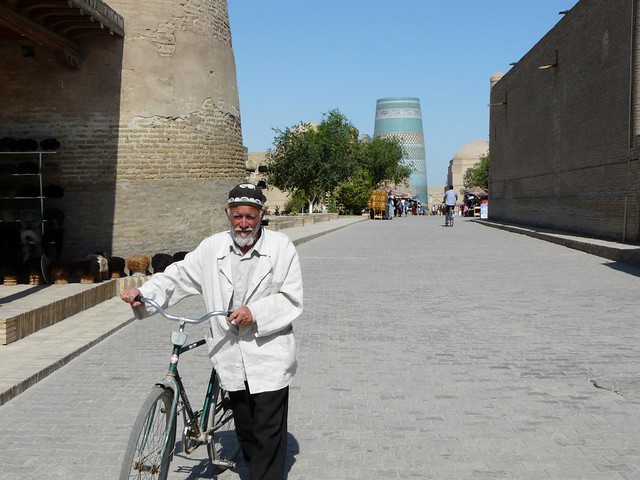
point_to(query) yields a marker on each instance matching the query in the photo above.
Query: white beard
(244, 238)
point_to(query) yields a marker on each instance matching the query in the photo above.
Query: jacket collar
(262, 268)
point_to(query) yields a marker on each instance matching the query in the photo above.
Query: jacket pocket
(287, 351)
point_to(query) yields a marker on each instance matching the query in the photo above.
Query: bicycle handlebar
(177, 318)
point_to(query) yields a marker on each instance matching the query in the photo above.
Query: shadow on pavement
(624, 267)
(203, 469)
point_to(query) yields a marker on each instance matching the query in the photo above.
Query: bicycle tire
(451, 220)
(146, 457)
(223, 446)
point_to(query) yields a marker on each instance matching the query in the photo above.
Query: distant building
(466, 157)
(435, 197)
(257, 169)
(402, 118)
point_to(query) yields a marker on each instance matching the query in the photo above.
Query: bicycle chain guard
(189, 444)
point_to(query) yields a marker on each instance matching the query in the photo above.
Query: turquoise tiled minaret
(402, 118)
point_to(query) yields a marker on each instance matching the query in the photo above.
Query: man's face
(245, 224)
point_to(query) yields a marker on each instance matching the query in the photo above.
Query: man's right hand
(129, 295)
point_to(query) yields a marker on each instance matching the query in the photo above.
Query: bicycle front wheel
(152, 440)
(223, 446)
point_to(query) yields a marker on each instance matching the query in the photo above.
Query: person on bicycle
(450, 199)
(254, 273)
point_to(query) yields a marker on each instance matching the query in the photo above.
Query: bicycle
(152, 443)
(449, 217)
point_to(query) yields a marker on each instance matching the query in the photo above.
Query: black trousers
(261, 426)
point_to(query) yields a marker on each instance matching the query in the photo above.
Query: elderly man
(254, 273)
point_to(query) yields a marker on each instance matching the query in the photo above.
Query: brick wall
(560, 147)
(178, 214)
(203, 144)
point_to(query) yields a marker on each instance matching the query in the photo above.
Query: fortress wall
(560, 147)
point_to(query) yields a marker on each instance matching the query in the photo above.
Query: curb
(618, 252)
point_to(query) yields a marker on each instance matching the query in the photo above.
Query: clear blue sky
(298, 59)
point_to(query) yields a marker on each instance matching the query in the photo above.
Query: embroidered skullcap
(246, 194)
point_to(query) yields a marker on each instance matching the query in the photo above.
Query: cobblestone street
(425, 353)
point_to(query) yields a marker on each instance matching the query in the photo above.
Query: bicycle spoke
(147, 457)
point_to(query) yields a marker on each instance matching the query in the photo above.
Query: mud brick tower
(142, 97)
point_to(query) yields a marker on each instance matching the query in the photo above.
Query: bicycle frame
(199, 432)
(174, 382)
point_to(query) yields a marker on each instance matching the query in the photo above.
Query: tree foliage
(315, 161)
(311, 161)
(352, 194)
(382, 158)
(295, 204)
(478, 175)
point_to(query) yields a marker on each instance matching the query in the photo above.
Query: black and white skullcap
(246, 194)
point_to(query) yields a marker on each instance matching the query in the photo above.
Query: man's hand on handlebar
(241, 316)
(129, 295)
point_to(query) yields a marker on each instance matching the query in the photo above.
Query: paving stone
(425, 352)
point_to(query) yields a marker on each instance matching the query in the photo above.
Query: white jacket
(274, 296)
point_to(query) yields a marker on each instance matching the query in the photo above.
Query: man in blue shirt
(450, 199)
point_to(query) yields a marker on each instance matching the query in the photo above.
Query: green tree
(314, 162)
(478, 175)
(295, 204)
(380, 163)
(383, 160)
(352, 194)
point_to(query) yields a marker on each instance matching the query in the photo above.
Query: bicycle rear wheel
(146, 456)
(223, 447)
(451, 220)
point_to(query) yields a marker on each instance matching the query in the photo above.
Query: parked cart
(378, 205)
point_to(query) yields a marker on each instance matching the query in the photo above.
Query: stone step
(26, 309)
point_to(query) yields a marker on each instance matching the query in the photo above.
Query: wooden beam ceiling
(58, 24)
